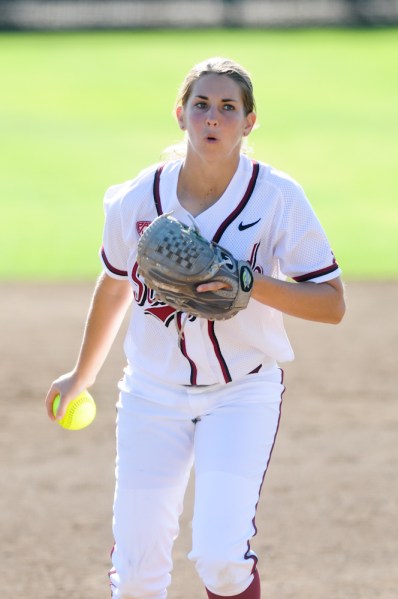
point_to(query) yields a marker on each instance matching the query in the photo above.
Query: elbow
(337, 315)
(336, 319)
(337, 306)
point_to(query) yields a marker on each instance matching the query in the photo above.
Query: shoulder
(132, 187)
(281, 188)
(272, 176)
(139, 189)
(268, 175)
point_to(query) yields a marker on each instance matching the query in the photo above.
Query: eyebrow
(222, 100)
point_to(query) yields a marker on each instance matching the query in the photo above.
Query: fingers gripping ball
(79, 413)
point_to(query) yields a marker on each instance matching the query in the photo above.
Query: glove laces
(180, 329)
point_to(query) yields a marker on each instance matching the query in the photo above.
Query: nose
(211, 118)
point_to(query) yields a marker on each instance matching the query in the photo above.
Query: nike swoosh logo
(242, 227)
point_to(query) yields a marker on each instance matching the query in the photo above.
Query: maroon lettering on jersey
(162, 312)
(253, 259)
(141, 225)
(144, 296)
(141, 291)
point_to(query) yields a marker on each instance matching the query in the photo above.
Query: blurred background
(88, 89)
(105, 14)
(87, 95)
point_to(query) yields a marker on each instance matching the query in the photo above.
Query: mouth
(211, 138)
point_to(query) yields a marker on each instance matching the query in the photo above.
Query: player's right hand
(67, 387)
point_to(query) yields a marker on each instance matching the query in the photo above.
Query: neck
(200, 185)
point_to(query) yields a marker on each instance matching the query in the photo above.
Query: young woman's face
(214, 116)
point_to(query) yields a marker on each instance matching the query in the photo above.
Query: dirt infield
(328, 512)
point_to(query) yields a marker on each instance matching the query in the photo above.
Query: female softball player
(212, 395)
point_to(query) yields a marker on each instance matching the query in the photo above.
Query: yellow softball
(79, 413)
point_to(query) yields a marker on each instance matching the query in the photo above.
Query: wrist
(260, 286)
(83, 379)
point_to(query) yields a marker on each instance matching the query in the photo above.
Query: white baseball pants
(229, 431)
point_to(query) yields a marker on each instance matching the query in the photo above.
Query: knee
(131, 584)
(222, 572)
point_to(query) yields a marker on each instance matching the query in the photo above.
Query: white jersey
(263, 217)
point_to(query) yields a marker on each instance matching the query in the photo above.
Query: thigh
(154, 458)
(233, 446)
(154, 445)
(237, 436)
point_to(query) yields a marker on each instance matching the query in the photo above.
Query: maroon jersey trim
(193, 379)
(183, 348)
(316, 273)
(222, 228)
(231, 217)
(156, 190)
(217, 351)
(116, 271)
(224, 225)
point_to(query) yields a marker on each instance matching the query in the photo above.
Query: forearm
(109, 304)
(320, 302)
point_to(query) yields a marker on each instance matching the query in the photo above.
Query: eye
(229, 107)
(200, 104)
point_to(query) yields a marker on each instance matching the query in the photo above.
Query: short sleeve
(114, 251)
(303, 249)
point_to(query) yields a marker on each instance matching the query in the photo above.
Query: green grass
(81, 111)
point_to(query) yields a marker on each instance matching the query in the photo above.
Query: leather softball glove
(174, 259)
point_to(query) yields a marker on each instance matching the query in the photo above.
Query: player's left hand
(214, 286)
(190, 273)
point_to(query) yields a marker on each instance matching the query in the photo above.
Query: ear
(250, 122)
(180, 117)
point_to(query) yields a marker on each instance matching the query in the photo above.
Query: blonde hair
(219, 66)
